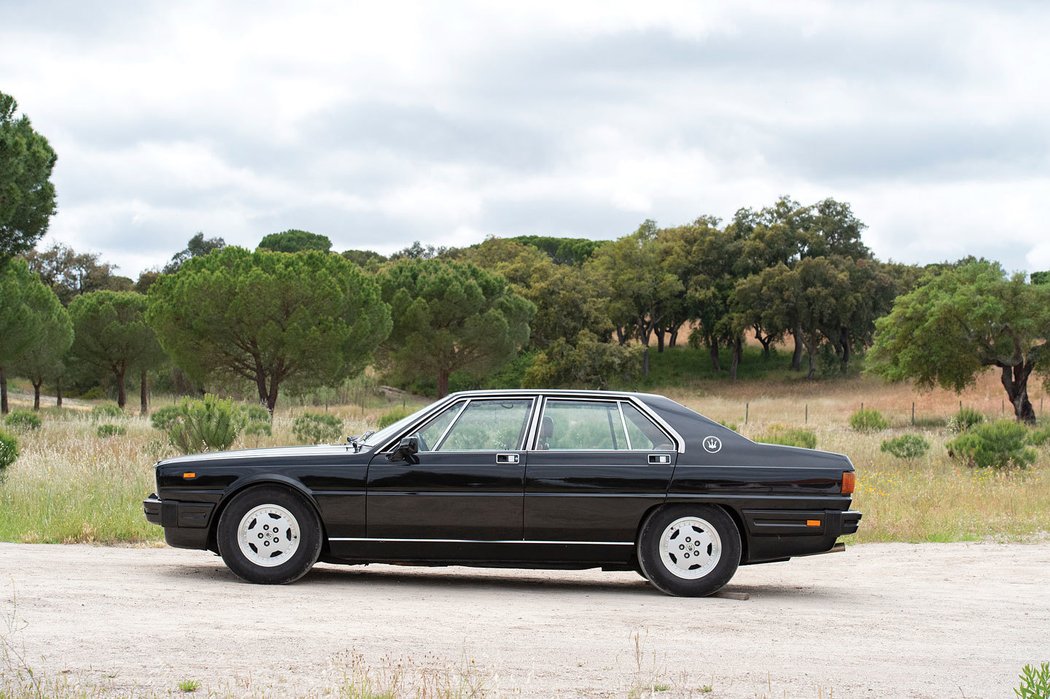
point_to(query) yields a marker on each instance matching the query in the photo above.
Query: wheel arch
(244, 484)
(731, 511)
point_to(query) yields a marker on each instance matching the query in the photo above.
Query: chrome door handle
(507, 458)
(660, 459)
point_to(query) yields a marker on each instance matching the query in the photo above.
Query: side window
(580, 424)
(488, 425)
(430, 434)
(643, 433)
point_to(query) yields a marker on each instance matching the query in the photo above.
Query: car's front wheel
(689, 550)
(269, 535)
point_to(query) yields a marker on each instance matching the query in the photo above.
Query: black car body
(531, 479)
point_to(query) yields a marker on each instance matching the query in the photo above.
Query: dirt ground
(881, 620)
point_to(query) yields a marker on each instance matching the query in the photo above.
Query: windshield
(377, 438)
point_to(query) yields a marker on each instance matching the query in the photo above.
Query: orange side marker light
(189, 474)
(849, 482)
(812, 522)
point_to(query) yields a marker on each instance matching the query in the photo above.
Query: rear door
(595, 467)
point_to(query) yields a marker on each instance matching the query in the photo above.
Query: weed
(106, 430)
(792, 437)
(1035, 682)
(106, 410)
(188, 686)
(964, 420)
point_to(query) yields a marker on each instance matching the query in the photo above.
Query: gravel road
(893, 620)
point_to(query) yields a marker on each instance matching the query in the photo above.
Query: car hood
(268, 453)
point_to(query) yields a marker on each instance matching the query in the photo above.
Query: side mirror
(406, 450)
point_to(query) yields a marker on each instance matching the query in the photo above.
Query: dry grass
(71, 486)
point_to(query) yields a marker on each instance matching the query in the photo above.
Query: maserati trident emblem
(712, 444)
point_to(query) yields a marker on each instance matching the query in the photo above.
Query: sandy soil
(893, 620)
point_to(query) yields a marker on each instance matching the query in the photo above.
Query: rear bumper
(776, 535)
(186, 524)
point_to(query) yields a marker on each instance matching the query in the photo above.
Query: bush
(104, 431)
(587, 363)
(317, 428)
(1035, 682)
(104, 410)
(163, 418)
(8, 450)
(392, 416)
(23, 420)
(1039, 437)
(790, 437)
(867, 420)
(907, 446)
(210, 424)
(995, 444)
(964, 420)
(256, 420)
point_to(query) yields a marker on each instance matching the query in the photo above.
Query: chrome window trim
(444, 435)
(478, 541)
(623, 421)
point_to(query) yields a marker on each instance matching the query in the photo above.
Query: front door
(469, 482)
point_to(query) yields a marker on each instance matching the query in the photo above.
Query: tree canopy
(956, 323)
(70, 273)
(52, 339)
(269, 317)
(112, 335)
(27, 197)
(295, 241)
(451, 316)
(25, 306)
(198, 246)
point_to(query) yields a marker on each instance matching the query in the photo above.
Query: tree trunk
(621, 336)
(673, 341)
(812, 366)
(143, 395)
(271, 395)
(122, 390)
(645, 361)
(659, 340)
(766, 341)
(847, 353)
(36, 394)
(1015, 381)
(442, 383)
(712, 348)
(58, 392)
(738, 350)
(4, 408)
(260, 386)
(796, 357)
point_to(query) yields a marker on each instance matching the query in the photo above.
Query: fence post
(913, 413)
(747, 409)
(807, 413)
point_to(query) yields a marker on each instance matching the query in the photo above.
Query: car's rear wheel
(689, 550)
(270, 535)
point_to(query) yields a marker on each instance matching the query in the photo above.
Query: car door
(468, 484)
(596, 466)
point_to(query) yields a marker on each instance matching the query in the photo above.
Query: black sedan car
(523, 479)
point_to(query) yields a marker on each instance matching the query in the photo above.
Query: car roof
(549, 392)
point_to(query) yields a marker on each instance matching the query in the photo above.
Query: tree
(112, 336)
(22, 295)
(54, 335)
(198, 246)
(642, 294)
(269, 317)
(295, 241)
(27, 197)
(956, 323)
(562, 251)
(70, 273)
(364, 258)
(450, 316)
(1040, 277)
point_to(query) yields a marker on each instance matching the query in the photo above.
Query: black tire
(299, 558)
(719, 552)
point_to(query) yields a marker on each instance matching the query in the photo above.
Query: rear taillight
(849, 481)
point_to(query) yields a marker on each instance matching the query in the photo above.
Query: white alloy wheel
(690, 547)
(268, 535)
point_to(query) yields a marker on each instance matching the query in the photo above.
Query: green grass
(188, 686)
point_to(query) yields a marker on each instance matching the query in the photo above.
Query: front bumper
(186, 524)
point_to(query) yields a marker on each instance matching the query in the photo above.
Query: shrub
(317, 428)
(1039, 437)
(964, 420)
(8, 450)
(790, 437)
(1035, 682)
(209, 424)
(907, 446)
(23, 420)
(392, 416)
(256, 420)
(103, 431)
(867, 420)
(163, 418)
(995, 444)
(104, 410)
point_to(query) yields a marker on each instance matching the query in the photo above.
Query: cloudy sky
(381, 123)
